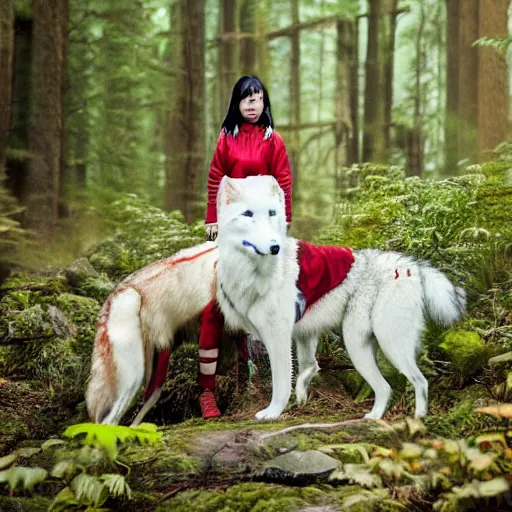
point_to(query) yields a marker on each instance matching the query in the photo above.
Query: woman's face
(251, 107)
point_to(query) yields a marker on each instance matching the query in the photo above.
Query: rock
(466, 350)
(78, 271)
(299, 467)
(62, 327)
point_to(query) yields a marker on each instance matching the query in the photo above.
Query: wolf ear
(228, 193)
(232, 190)
(276, 190)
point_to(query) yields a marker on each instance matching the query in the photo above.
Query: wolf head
(251, 214)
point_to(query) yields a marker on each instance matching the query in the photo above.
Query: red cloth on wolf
(249, 154)
(322, 268)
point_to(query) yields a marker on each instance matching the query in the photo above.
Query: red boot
(208, 405)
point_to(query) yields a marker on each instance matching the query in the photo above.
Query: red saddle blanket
(322, 268)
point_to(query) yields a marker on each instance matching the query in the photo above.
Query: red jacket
(248, 154)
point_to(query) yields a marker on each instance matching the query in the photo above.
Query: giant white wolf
(276, 288)
(265, 280)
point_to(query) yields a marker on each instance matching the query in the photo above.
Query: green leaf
(357, 473)
(411, 451)
(117, 485)
(27, 477)
(8, 460)
(64, 469)
(27, 452)
(64, 501)
(494, 487)
(89, 490)
(107, 436)
(51, 442)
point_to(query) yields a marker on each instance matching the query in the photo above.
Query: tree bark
(248, 49)
(378, 84)
(295, 99)
(184, 144)
(41, 190)
(477, 89)
(415, 135)
(345, 130)
(493, 106)
(6, 71)
(228, 52)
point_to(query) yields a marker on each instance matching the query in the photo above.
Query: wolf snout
(274, 249)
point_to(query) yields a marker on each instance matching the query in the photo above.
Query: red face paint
(397, 275)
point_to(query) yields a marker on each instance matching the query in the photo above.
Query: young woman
(247, 146)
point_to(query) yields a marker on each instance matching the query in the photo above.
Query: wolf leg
(308, 366)
(397, 324)
(400, 349)
(128, 353)
(362, 349)
(279, 351)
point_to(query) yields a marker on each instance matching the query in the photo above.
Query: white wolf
(382, 301)
(256, 270)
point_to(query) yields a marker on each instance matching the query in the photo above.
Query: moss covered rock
(466, 350)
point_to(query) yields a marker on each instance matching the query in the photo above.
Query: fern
(107, 437)
(91, 492)
(19, 476)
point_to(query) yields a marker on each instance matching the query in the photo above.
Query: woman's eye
(271, 213)
(247, 213)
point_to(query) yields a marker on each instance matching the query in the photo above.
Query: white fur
(382, 302)
(141, 317)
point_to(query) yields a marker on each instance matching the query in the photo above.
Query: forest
(395, 115)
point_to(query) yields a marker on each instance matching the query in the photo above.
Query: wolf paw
(372, 416)
(270, 413)
(301, 395)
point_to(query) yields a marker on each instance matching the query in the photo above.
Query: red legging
(212, 327)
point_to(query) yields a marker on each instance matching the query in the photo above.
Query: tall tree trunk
(295, 99)
(228, 51)
(42, 187)
(6, 70)
(21, 90)
(477, 90)
(248, 48)
(493, 96)
(378, 83)
(415, 135)
(75, 111)
(345, 131)
(184, 144)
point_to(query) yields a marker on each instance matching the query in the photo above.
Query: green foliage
(143, 234)
(459, 224)
(498, 43)
(106, 437)
(90, 492)
(466, 350)
(21, 477)
(459, 474)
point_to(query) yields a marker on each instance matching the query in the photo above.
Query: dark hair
(246, 86)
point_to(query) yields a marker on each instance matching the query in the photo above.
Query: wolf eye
(271, 213)
(247, 213)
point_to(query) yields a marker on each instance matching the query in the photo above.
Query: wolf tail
(117, 369)
(444, 302)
